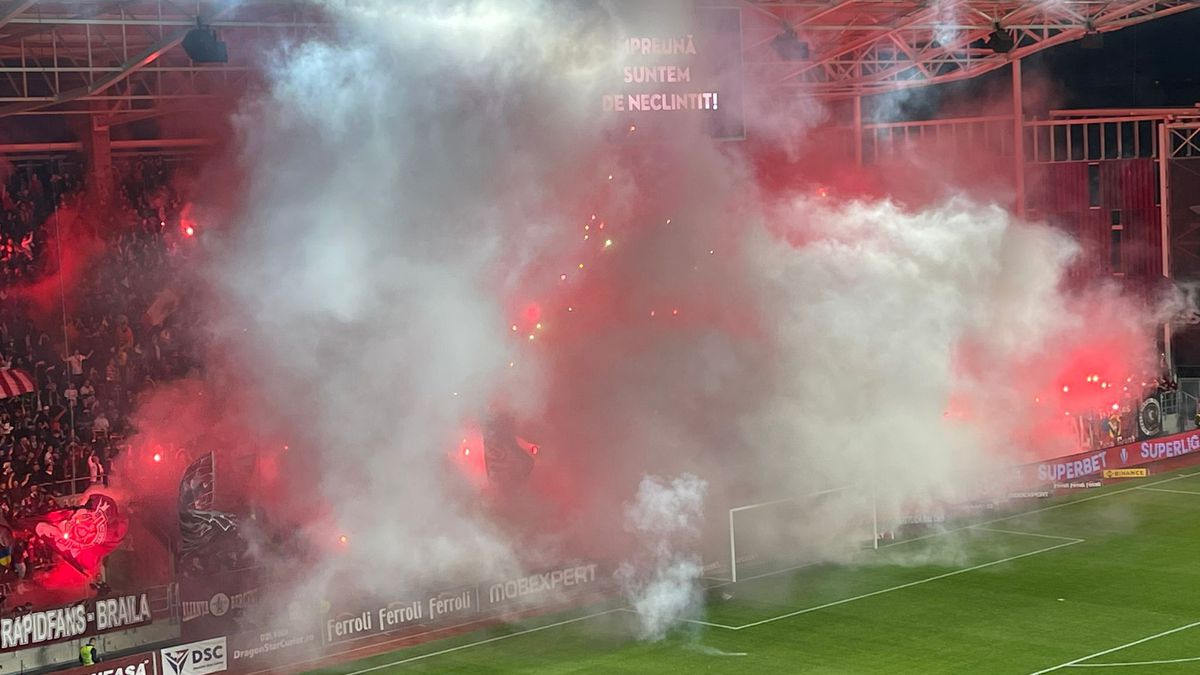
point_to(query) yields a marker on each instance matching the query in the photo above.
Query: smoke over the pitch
(661, 580)
(436, 225)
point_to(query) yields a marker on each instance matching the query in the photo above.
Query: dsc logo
(197, 658)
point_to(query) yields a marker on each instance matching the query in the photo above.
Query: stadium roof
(122, 59)
(861, 47)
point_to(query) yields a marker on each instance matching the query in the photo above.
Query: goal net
(780, 535)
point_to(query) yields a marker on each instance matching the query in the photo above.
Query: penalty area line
(1052, 507)
(909, 584)
(1080, 660)
(1174, 492)
(478, 643)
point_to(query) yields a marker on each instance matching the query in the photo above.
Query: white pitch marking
(630, 610)
(1043, 509)
(1177, 492)
(483, 642)
(908, 585)
(1031, 534)
(1133, 663)
(1165, 633)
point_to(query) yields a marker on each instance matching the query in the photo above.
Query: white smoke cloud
(662, 583)
(417, 179)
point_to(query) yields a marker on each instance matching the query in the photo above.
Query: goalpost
(796, 531)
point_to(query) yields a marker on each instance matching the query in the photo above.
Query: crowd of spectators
(116, 332)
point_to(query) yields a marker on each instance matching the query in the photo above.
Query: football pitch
(1102, 581)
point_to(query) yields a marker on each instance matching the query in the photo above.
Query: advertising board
(195, 658)
(1093, 464)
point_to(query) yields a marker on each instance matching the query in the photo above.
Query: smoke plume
(437, 224)
(662, 581)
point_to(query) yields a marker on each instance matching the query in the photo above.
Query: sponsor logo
(545, 582)
(218, 605)
(1033, 494)
(197, 658)
(67, 623)
(1152, 450)
(1077, 468)
(1126, 473)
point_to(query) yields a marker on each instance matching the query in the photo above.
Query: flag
(15, 382)
(199, 524)
(81, 535)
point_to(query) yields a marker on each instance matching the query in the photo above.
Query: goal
(776, 536)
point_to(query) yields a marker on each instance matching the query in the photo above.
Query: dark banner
(218, 604)
(672, 68)
(60, 624)
(1150, 422)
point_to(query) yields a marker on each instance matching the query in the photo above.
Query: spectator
(96, 470)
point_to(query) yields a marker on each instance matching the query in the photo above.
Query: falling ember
(1066, 389)
(562, 277)
(157, 457)
(711, 251)
(466, 452)
(343, 540)
(538, 326)
(1037, 399)
(607, 243)
(189, 231)
(531, 336)
(514, 327)
(651, 312)
(632, 128)
(610, 176)
(570, 309)
(1116, 406)
(533, 450)
(580, 265)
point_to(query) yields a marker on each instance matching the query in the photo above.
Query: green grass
(1135, 574)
